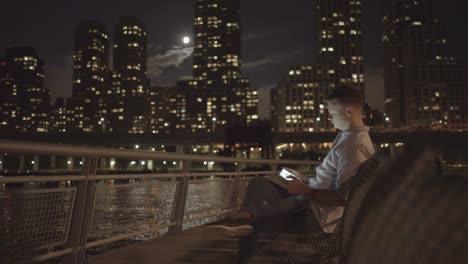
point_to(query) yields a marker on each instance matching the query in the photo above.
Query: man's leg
(262, 200)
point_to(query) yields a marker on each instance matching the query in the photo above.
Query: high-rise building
(424, 87)
(299, 100)
(91, 83)
(168, 110)
(399, 15)
(130, 107)
(340, 40)
(222, 96)
(25, 103)
(10, 110)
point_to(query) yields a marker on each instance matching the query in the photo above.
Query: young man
(326, 192)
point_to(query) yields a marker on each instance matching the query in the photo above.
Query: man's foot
(233, 227)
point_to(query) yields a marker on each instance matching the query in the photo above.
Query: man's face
(339, 115)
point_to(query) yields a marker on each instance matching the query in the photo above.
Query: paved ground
(192, 246)
(197, 246)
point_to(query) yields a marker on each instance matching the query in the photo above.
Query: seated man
(325, 193)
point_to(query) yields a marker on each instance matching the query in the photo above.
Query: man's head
(345, 107)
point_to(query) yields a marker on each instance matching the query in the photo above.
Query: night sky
(275, 34)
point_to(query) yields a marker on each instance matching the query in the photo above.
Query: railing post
(274, 168)
(392, 150)
(180, 199)
(236, 188)
(21, 163)
(81, 217)
(53, 162)
(35, 163)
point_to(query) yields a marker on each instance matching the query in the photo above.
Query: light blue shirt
(350, 148)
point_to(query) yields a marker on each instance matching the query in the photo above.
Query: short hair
(347, 94)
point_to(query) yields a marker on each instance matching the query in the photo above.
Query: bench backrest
(365, 176)
(411, 215)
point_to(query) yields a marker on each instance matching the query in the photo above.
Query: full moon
(186, 40)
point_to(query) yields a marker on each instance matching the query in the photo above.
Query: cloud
(58, 76)
(186, 77)
(154, 47)
(271, 60)
(264, 100)
(253, 36)
(265, 86)
(271, 32)
(173, 57)
(374, 88)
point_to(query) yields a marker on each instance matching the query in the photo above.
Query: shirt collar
(356, 130)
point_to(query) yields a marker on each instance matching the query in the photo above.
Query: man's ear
(349, 110)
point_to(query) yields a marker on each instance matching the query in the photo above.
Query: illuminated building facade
(424, 87)
(299, 101)
(25, 103)
(168, 110)
(130, 107)
(223, 96)
(340, 40)
(58, 116)
(91, 83)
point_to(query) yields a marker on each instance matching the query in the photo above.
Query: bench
(318, 246)
(405, 212)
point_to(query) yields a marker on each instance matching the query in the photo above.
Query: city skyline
(169, 60)
(264, 58)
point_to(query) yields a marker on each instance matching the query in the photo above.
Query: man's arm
(322, 196)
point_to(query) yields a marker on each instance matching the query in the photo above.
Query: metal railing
(45, 217)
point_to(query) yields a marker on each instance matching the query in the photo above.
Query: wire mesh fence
(124, 207)
(32, 220)
(207, 197)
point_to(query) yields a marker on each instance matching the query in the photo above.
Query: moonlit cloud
(173, 57)
(271, 60)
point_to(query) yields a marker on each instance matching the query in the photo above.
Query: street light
(387, 120)
(214, 123)
(103, 125)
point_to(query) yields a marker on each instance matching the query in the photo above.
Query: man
(325, 193)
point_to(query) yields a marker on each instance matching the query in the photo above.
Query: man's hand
(303, 178)
(296, 186)
(299, 175)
